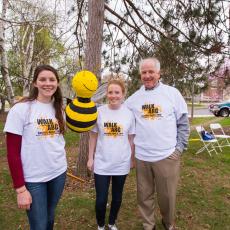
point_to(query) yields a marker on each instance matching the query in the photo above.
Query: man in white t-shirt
(162, 131)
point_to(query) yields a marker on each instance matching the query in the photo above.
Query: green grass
(203, 197)
(225, 121)
(202, 120)
(205, 121)
(197, 105)
(71, 138)
(1, 126)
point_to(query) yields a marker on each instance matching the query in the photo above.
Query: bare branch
(137, 29)
(126, 35)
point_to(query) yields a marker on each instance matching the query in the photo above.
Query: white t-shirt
(156, 112)
(43, 147)
(113, 152)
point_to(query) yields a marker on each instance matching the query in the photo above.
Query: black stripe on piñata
(80, 124)
(84, 100)
(82, 110)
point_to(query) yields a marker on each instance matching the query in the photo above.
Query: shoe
(101, 228)
(112, 227)
(172, 228)
(168, 228)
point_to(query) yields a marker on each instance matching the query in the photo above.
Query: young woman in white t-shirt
(111, 151)
(35, 148)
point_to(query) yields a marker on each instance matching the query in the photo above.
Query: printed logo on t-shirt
(47, 127)
(113, 129)
(151, 111)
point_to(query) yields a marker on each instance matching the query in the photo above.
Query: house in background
(218, 90)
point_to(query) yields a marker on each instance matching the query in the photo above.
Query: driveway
(200, 112)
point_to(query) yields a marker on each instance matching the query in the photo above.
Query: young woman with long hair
(35, 148)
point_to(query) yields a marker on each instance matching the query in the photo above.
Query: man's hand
(175, 155)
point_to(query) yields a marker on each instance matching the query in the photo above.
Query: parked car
(220, 109)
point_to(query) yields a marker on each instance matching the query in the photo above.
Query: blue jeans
(102, 188)
(45, 196)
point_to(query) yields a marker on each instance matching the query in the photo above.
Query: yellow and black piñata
(81, 113)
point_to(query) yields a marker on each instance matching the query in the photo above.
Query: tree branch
(126, 35)
(137, 29)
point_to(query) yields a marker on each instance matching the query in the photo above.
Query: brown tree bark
(94, 37)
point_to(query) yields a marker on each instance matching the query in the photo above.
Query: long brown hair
(57, 96)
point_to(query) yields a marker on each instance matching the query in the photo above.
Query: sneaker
(112, 227)
(101, 228)
(168, 228)
(172, 228)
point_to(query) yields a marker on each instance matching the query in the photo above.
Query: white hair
(154, 60)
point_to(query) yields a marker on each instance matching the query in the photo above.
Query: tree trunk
(3, 105)
(192, 108)
(81, 169)
(94, 37)
(3, 56)
(27, 50)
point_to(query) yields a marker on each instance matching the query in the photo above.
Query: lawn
(197, 105)
(203, 199)
(208, 120)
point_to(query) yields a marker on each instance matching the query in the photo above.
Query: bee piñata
(81, 113)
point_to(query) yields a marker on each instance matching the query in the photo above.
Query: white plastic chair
(209, 145)
(218, 132)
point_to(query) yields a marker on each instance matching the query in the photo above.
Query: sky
(67, 22)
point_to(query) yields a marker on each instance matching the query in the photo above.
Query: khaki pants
(161, 176)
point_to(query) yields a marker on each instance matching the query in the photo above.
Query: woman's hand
(24, 199)
(90, 164)
(133, 164)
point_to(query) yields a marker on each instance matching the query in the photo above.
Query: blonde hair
(117, 80)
